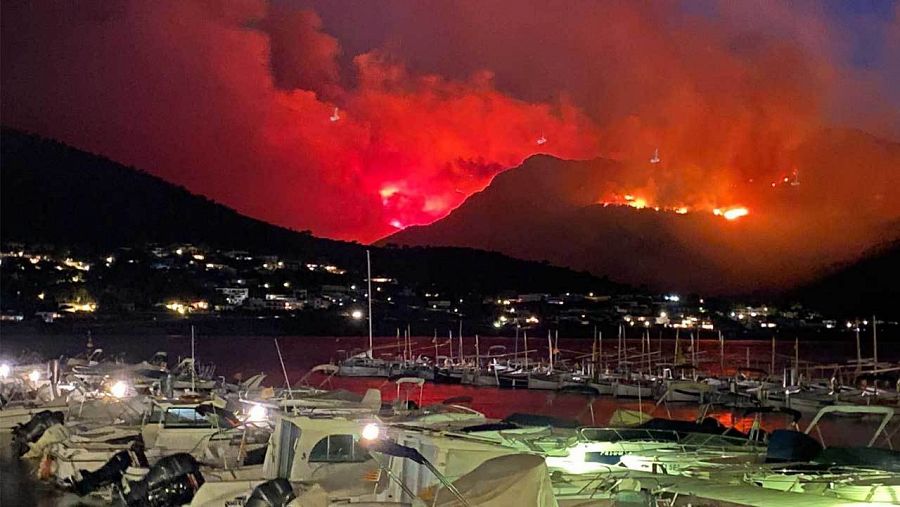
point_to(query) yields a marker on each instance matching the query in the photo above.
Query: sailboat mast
(858, 349)
(600, 349)
(287, 381)
(641, 369)
(721, 354)
(193, 363)
(516, 345)
(875, 341)
(369, 293)
(477, 353)
(409, 341)
(525, 343)
(550, 349)
(555, 344)
(462, 356)
(772, 366)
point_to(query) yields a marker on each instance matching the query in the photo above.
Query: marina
(332, 253)
(593, 435)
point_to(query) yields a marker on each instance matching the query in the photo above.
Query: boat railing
(689, 439)
(887, 412)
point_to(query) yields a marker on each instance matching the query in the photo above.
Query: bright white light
(4, 370)
(34, 376)
(356, 314)
(119, 389)
(371, 431)
(257, 413)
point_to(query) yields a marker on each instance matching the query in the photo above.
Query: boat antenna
(369, 293)
(284, 370)
(193, 363)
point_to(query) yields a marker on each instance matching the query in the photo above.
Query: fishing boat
(544, 380)
(513, 378)
(633, 388)
(478, 376)
(363, 365)
(685, 391)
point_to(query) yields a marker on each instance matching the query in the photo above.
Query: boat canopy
(514, 479)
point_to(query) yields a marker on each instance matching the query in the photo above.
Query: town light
(119, 389)
(34, 376)
(4, 370)
(356, 314)
(371, 431)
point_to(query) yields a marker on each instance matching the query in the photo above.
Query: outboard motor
(172, 481)
(112, 471)
(168, 389)
(274, 493)
(30, 432)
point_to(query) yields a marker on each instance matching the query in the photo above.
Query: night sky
(236, 100)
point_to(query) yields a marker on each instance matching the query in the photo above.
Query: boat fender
(274, 493)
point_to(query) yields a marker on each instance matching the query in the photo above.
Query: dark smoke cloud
(233, 99)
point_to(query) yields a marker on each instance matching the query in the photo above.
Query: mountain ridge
(554, 210)
(95, 203)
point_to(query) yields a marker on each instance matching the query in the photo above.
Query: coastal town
(177, 282)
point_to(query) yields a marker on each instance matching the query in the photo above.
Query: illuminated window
(337, 449)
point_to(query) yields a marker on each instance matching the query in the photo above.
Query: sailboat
(365, 364)
(655, 159)
(335, 116)
(542, 140)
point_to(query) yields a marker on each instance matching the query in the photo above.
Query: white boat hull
(603, 387)
(632, 391)
(544, 383)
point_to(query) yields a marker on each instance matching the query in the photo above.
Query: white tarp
(521, 480)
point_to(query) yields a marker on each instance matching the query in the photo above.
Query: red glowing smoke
(235, 100)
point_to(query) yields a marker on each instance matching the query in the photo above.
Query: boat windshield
(185, 417)
(338, 449)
